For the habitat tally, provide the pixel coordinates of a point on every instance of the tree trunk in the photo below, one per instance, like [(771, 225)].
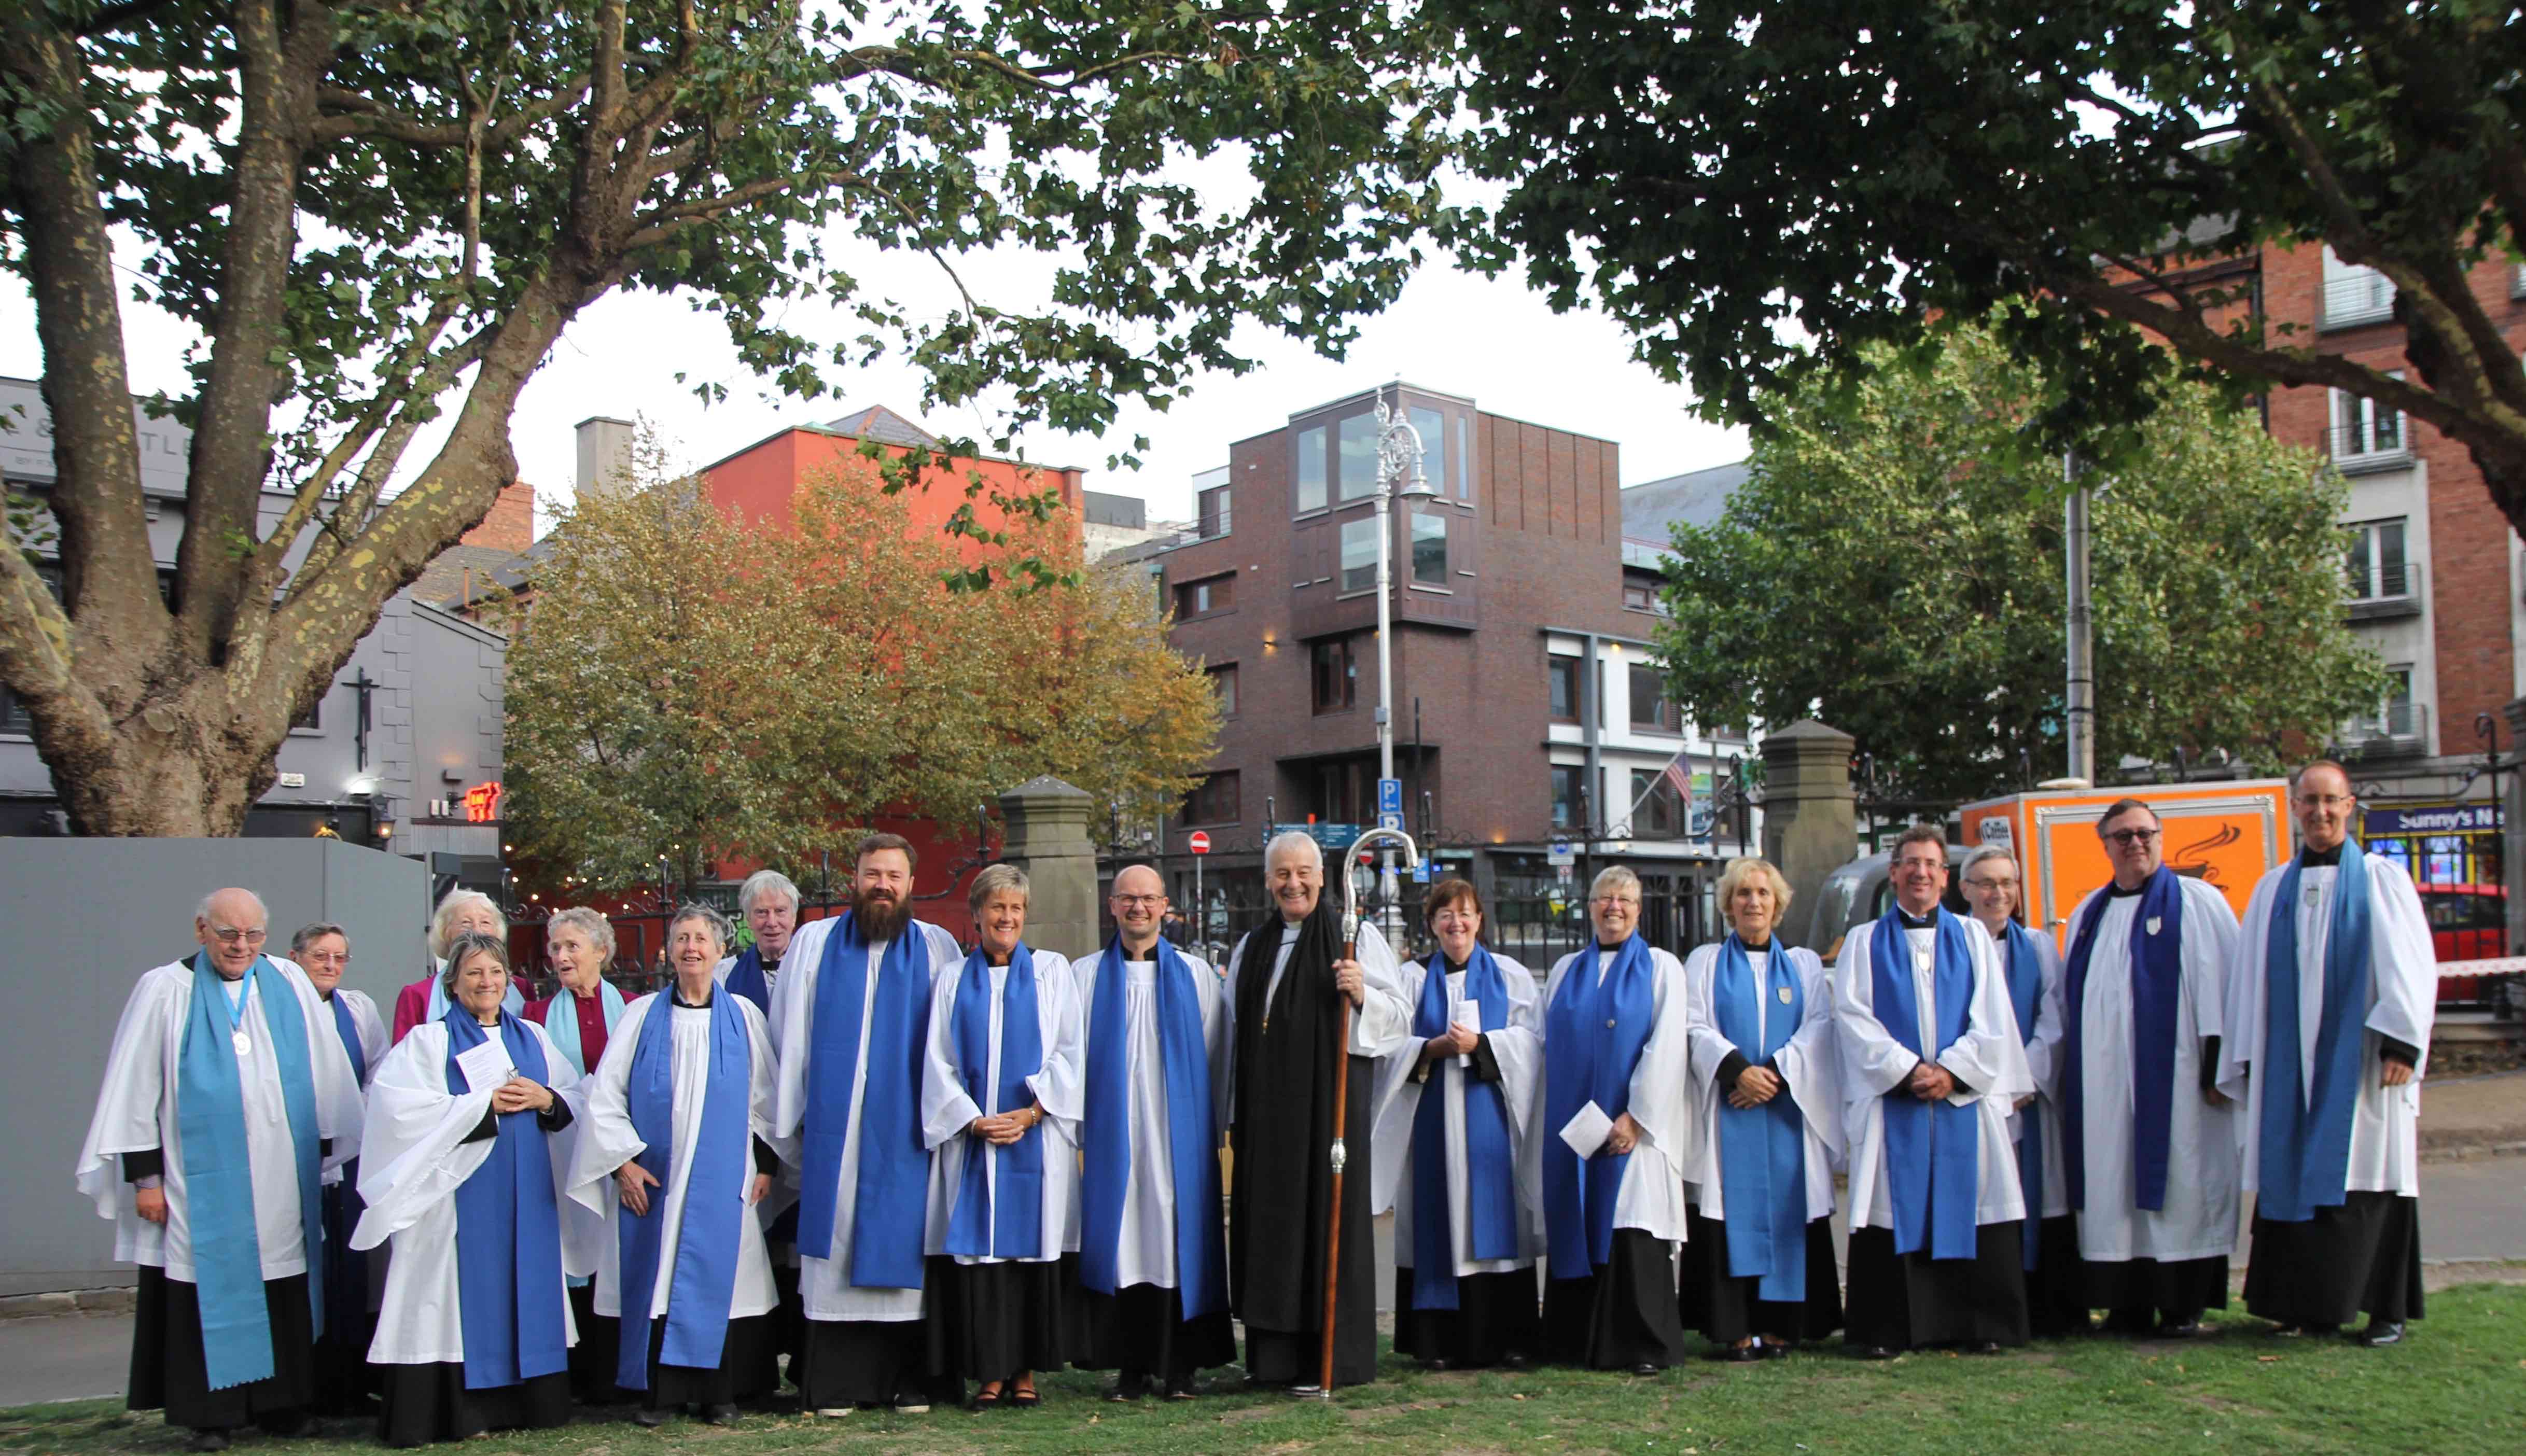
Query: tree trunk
[(190, 763)]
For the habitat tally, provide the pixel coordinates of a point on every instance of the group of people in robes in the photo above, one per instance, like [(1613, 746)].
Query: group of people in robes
[(895, 1171)]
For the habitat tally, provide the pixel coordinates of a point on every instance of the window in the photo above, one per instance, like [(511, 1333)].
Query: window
[(1337, 676), (2365, 428), (1206, 598), (1214, 800), (1464, 459), (1659, 815), (1359, 554), (1358, 456), (1211, 507), (2375, 566), (2353, 294), (1429, 550), (1563, 673), (1565, 795), (1640, 596), (1308, 470), (1222, 685), (1431, 427), (1651, 708)]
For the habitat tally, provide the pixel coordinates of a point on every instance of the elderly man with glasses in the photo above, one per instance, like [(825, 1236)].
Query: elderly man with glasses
[(2148, 1141), (1932, 1068), (2329, 1031), (226, 1098)]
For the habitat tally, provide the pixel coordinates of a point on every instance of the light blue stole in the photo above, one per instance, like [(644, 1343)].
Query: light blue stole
[(561, 1020), (218, 1176), (706, 1243), (1933, 1151), (1762, 1150), (2303, 1134), (1011, 1225)]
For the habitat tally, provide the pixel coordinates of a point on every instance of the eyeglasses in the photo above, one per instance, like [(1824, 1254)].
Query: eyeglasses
[(2129, 837), (230, 936), (325, 958), (1609, 901), (1139, 902), (2324, 801), (1990, 884)]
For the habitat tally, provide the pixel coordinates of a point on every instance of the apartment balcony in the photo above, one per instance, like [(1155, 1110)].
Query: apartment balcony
[(2395, 593), (2403, 731), (2367, 448)]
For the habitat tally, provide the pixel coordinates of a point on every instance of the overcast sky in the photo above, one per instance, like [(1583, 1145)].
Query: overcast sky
[(1453, 332)]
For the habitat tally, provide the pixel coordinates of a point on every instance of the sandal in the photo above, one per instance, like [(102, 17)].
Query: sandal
[(1025, 1400), (984, 1400)]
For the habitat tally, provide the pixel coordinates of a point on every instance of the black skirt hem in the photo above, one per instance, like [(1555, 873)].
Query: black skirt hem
[(1901, 1302), (1727, 1307)]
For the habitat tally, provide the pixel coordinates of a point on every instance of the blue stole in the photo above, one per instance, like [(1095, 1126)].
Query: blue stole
[(508, 1231), (890, 1204), (347, 1273), (1192, 1134), (746, 978), (705, 1276), (1762, 1150), (2158, 992), (350, 1028), (2303, 1132), (561, 1020), (219, 1177), (2026, 998), (1010, 1226), (1593, 1034), (1933, 1160), (512, 1003), (1490, 1191)]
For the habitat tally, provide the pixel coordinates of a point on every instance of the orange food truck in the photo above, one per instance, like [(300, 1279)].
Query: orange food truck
[(2227, 833)]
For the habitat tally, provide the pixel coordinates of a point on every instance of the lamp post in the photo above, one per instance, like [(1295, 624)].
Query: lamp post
[(1399, 474)]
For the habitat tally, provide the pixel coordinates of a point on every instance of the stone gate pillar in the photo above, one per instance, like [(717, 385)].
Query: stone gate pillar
[(1810, 821), (1047, 837)]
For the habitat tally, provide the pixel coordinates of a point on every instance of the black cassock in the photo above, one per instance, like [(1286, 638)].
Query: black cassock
[(1286, 1058)]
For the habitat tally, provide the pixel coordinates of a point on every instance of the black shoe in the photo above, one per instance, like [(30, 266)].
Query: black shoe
[(1982, 1347), (2302, 1332), (718, 1415), (2380, 1333), (1875, 1352), (1647, 1368), (1514, 1361), (647, 1417), (1745, 1354), (2180, 1329), (1128, 1388), (208, 1439), (1775, 1350), (1439, 1363), (1182, 1390)]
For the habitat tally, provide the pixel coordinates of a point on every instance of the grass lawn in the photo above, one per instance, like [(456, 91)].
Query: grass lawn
[(2458, 1387)]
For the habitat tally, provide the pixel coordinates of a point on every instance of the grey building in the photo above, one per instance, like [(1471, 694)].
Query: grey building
[(411, 727)]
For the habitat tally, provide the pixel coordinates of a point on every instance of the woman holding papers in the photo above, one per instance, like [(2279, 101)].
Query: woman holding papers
[(1614, 1142), (1759, 1273), (1455, 1107), (470, 1126)]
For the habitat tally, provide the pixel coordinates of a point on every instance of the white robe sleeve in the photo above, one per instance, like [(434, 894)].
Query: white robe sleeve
[(126, 1120), (2243, 1044), (1518, 1049), (2403, 959), (1395, 1101), (1873, 1062), (373, 1028), (606, 1142), (1810, 1062), (1060, 1088), (339, 1111), (1656, 1101), (2052, 1019), (1383, 1023), (947, 1110), (794, 1003), (1223, 1063), (1989, 1059), (2209, 953), (418, 1154)]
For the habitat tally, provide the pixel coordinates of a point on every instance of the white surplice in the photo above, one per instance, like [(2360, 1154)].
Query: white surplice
[(136, 1112), (1988, 1062), (373, 1042), (609, 1142), (2043, 1064), (1809, 1064), (2200, 1219), (947, 1109), (1380, 1023), (1517, 1047), (825, 1284), (1145, 1246), (1651, 1197), (2403, 1001), (416, 1158)]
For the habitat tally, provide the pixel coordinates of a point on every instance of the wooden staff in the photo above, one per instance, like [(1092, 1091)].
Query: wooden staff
[(1342, 1089)]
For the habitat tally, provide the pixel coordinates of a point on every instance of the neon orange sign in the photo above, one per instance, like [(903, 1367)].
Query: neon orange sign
[(483, 804)]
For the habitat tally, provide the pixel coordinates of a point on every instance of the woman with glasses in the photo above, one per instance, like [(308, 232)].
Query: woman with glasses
[(343, 1377), (1455, 1106), (1612, 1142), (1759, 1273)]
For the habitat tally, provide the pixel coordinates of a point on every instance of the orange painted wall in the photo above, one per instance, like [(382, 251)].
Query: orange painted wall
[(759, 485)]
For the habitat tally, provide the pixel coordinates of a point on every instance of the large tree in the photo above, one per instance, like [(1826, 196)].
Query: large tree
[(682, 687), (1760, 188), (383, 214), (1894, 567)]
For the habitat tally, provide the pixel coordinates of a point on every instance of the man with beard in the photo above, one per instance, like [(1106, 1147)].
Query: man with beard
[(1283, 1007), (850, 1019)]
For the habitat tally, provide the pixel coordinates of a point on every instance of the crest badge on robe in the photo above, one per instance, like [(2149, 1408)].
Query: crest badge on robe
[(2154, 921)]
